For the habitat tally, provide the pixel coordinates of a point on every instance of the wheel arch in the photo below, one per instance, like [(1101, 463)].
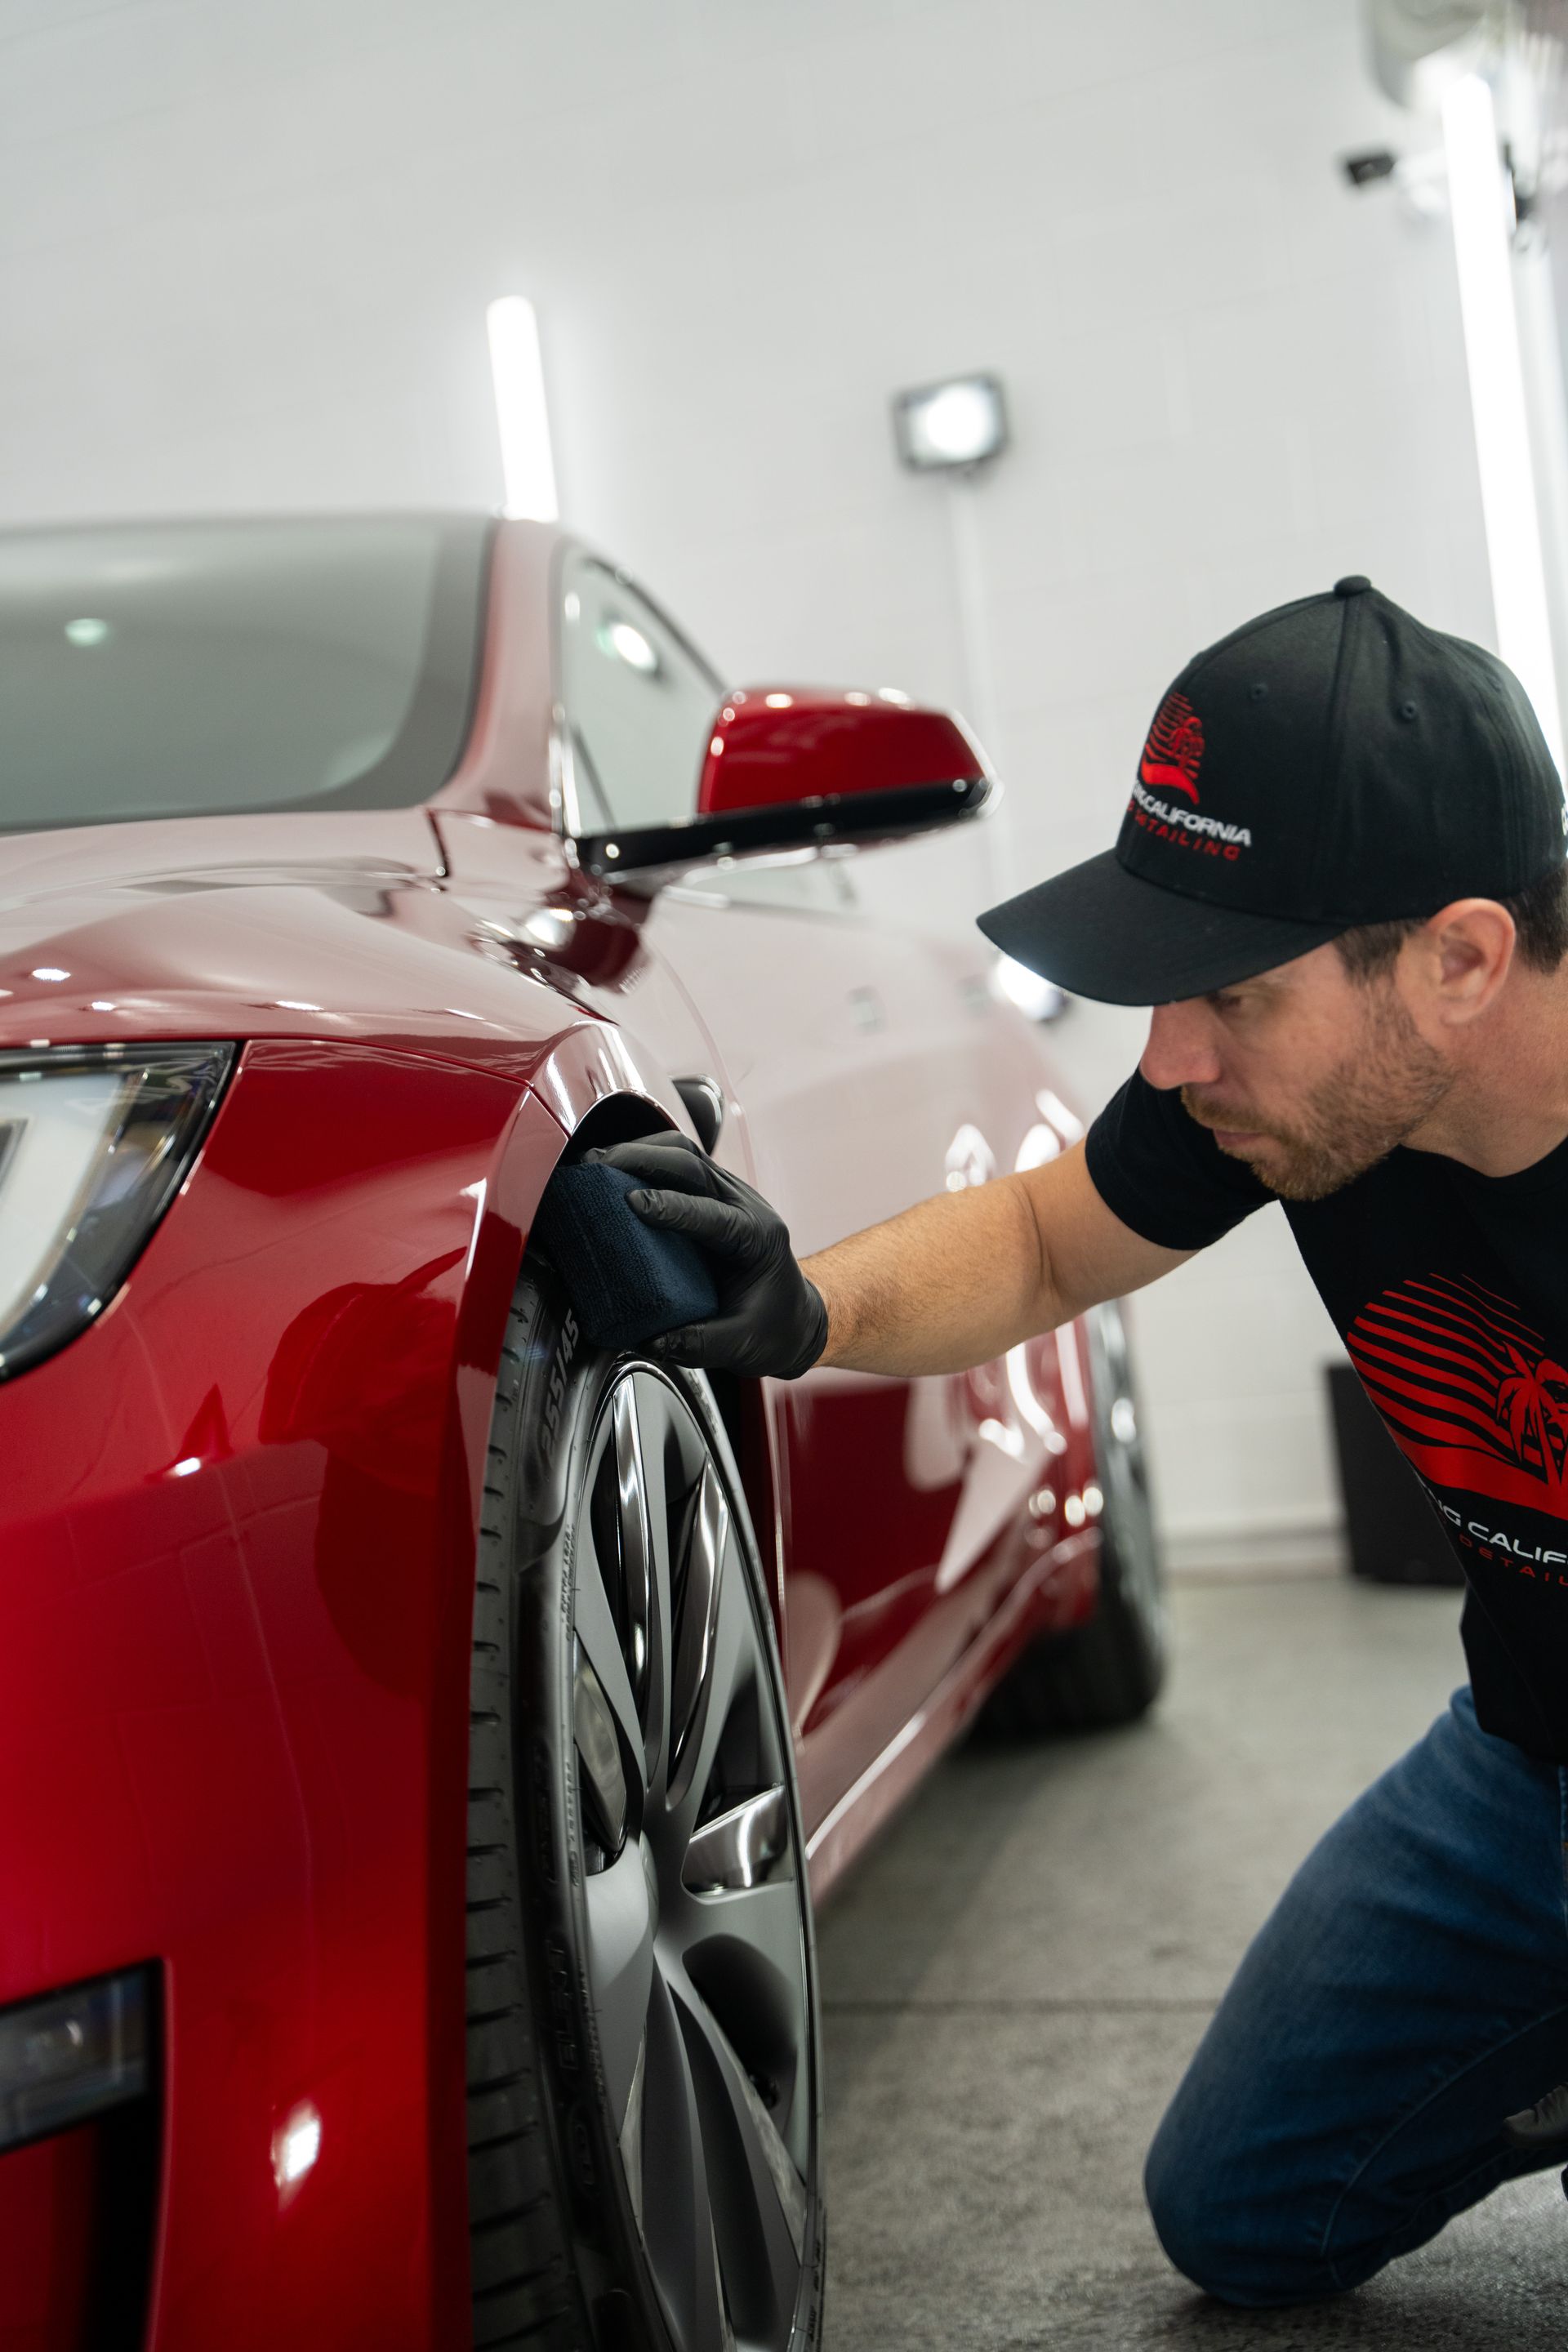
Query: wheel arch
[(598, 1084)]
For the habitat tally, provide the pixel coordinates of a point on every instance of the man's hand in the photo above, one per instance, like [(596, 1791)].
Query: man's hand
[(956, 1280), (771, 1319)]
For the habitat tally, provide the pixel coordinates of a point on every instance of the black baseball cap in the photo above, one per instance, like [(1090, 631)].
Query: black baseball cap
[(1331, 763)]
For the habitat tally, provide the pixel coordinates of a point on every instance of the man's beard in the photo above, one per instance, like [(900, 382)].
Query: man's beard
[(1352, 1119)]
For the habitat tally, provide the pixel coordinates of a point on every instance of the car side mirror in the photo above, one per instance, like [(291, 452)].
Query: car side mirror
[(788, 767)]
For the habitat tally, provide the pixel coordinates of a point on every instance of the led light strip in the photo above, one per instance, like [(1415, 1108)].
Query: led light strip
[(1481, 248), (528, 464)]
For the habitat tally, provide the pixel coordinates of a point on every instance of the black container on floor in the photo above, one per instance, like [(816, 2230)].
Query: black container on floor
[(1396, 1536)]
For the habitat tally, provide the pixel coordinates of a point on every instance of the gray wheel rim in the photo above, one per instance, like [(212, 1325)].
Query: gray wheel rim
[(1128, 1513), (693, 1909)]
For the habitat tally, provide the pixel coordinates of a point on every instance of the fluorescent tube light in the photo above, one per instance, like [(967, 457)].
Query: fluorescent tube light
[(527, 464), (1482, 247)]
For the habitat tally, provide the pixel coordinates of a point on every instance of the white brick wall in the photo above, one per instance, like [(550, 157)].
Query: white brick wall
[(245, 251)]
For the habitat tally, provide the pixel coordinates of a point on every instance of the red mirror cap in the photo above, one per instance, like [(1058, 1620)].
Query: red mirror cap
[(772, 744)]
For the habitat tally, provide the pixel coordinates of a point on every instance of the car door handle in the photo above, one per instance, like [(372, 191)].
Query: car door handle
[(704, 1100)]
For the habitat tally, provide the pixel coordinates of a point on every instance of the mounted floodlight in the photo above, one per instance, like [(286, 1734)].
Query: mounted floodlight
[(959, 423), (527, 466)]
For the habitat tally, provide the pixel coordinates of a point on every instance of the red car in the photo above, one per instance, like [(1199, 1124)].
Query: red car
[(395, 1955)]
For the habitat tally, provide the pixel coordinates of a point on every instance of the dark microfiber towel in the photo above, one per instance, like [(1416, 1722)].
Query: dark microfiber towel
[(627, 1280)]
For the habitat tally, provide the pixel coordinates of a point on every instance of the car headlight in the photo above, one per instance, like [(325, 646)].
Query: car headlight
[(95, 1141)]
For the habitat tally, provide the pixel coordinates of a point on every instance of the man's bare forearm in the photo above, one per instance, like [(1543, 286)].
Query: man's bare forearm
[(951, 1282), (963, 1277), (957, 1280)]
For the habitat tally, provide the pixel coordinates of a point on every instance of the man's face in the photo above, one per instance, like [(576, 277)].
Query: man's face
[(1307, 1075)]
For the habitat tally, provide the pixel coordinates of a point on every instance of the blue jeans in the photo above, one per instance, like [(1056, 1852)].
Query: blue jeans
[(1409, 1992)]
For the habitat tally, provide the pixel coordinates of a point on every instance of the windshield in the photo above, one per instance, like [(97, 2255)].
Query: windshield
[(199, 669)]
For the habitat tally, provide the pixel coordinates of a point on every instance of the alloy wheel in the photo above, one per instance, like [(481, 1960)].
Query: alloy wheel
[(695, 1928)]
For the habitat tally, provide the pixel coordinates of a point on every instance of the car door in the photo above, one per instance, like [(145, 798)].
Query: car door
[(867, 1069)]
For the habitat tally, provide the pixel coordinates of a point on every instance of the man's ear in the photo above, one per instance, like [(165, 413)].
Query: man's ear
[(1459, 960)]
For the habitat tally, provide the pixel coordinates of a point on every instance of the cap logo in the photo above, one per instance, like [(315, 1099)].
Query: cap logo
[(1176, 747)]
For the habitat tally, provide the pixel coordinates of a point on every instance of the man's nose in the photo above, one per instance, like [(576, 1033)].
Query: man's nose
[(1181, 1051)]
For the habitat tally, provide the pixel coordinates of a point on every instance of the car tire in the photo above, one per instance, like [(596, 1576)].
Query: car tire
[(644, 2061), (1110, 1670)]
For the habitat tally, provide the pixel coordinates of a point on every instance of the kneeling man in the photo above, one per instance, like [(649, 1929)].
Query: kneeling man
[(1340, 885)]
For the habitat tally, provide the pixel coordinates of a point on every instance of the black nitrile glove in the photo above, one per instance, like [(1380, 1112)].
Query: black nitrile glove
[(769, 1318)]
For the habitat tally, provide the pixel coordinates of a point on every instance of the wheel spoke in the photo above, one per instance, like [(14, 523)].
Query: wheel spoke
[(730, 1648), (739, 1848), (760, 2198), (706, 1545), (762, 2141), (677, 2214), (596, 1629), (636, 1538), (651, 1412), (750, 1945), (620, 1968)]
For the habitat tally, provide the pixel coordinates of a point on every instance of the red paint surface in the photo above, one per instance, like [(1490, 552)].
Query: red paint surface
[(233, 1697), (792, 743), (49, 2206)]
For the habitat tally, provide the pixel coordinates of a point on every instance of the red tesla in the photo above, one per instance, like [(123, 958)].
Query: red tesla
[(421, 1732)]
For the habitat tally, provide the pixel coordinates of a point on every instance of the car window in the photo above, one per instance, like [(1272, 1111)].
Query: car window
[(185, 669), (639, 702)]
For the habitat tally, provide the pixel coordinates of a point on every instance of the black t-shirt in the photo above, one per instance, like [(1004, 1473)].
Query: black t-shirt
[(1450, 1291)]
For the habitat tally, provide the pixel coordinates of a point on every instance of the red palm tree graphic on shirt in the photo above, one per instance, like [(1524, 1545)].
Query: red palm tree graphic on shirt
[(1468, 1390), (1532, 1400)]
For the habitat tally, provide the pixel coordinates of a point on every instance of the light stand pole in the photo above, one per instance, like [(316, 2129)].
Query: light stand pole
[(974, 662), (959, 427)]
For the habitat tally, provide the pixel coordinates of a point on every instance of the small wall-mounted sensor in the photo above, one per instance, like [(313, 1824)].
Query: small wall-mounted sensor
[(1376, 163), (960, 423)]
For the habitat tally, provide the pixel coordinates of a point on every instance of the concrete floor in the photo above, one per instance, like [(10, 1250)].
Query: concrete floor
[(1016, 1976)]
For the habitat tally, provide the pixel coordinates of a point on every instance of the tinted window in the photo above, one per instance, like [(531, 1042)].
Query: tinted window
[(639, 700), (178, 669)]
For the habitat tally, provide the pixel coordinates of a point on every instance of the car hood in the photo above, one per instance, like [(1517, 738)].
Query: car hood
[(332, 927)]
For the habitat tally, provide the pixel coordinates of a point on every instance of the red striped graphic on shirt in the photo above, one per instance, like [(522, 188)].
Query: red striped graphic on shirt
[(1468, 1388)]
